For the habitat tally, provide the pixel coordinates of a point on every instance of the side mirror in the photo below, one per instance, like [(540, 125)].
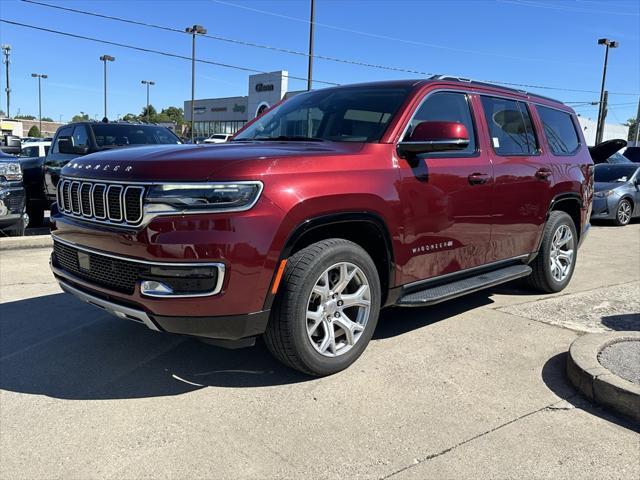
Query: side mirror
[(430, 137), (65, 145)]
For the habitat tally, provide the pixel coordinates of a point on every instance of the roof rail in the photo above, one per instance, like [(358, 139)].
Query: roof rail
[(453, 78)]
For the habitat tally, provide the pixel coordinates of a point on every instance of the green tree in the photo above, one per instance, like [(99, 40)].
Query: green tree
[(82, 117), (633, 126), (24, 117), (47, 119), (130, 117), (34, 132), (149, 116), (175, 114)]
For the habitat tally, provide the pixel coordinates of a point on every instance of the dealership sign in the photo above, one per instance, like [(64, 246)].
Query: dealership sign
[(264, 87)]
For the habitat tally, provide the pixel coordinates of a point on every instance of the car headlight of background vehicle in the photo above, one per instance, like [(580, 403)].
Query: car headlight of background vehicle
[(205, 196), (10, 172), (603, 194)]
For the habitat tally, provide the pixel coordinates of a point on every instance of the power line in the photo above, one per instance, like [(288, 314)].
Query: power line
[(397, 39), (294, 52), (568, 8), (149, 50)]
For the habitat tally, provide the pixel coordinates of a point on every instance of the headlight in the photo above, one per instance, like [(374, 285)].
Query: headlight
[(603, 194), (206, 196), (11, 171)]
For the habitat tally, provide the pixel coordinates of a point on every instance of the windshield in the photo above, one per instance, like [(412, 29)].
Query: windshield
[(614, 173), (117, 135), (343, 114)]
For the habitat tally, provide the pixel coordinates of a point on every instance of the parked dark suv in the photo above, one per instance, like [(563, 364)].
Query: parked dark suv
[(77, 139), (325, 209)]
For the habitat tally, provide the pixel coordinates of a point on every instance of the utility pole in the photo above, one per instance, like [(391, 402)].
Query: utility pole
[(148, 83), (194, 30), (6, 51), (310, 67), (608, 44), (39, 76), (105, 59)]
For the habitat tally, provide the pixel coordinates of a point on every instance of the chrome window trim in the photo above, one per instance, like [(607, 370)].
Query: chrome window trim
[(220, 266), (140, 201), (108, 210), (90, 214), (104, 201), (71, 197)]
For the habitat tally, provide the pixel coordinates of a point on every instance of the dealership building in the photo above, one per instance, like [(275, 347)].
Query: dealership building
[(228, 115)]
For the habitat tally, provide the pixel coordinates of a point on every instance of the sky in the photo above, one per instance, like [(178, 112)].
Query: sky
[(532, 42)]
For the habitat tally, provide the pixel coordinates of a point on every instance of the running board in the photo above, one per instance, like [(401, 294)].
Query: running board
[(447, 291)]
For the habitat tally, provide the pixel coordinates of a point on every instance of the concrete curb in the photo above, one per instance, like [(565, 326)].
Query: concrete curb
[(597, 383), (20, 243)]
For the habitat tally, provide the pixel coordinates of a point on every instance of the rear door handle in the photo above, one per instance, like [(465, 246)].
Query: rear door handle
[(478, 178), (543, 173)]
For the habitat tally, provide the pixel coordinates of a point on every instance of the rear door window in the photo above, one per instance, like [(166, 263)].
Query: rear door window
[(559, 130), (510, 126), (446, 107)]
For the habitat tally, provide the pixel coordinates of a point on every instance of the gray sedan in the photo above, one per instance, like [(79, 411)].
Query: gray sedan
[(617, 192)]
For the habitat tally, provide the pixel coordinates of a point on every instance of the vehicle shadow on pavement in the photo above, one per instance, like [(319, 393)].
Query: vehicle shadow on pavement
[(622, 322), (555, 378), (56, 346)]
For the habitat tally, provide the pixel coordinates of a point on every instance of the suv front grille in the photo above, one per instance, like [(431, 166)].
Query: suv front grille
[(101, 202)]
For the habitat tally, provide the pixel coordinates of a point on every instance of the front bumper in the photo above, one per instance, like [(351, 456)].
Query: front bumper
[(232, 327), (604, 208), (12, 206)]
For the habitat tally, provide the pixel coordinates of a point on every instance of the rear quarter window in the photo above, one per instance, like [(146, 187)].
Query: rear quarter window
[(560, 131)]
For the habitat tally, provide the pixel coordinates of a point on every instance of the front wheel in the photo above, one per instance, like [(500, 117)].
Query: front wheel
[(623, 213), (327, 308), (553, 267)]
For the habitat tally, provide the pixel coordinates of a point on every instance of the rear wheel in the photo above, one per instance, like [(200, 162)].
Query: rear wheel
[(327, 308), (623, 213), (555, 263)]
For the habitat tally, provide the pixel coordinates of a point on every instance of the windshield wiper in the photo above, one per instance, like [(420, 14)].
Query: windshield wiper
[(290, 138)]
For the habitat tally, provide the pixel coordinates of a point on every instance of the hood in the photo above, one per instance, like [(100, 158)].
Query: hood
[(198, 162), (604, 150), (603, 187)]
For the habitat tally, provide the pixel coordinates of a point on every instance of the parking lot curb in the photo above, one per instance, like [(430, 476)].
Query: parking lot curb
[(21, 243), (598, 384)]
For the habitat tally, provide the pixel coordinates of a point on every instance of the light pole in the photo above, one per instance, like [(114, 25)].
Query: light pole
[(6, 51), (105, 59), (194, 30), (39, 76), (310, 65), (148, 83), (602, 108)]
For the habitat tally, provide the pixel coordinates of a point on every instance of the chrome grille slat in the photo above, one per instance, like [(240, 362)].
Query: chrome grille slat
[(109, 203)]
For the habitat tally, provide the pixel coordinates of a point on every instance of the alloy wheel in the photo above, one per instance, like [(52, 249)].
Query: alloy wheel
[(338, 309), (624, 213), (562, 253)]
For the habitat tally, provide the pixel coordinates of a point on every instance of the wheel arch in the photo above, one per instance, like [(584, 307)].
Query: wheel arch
[(366, 229)]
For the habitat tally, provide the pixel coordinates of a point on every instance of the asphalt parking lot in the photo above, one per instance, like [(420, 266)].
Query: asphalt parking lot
[(471, 388)]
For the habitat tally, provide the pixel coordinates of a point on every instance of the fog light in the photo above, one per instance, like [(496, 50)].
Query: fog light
[(152, 287)]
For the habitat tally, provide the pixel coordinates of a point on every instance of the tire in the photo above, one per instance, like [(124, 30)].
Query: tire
[(311, 275), (623, 213), (547, 277)]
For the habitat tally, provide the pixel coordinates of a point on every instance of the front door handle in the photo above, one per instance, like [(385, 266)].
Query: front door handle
[(478, 178), (543, 173)]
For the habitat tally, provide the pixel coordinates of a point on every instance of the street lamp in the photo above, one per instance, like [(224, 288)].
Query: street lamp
[(194, 30), (6, 51), (601, 109), (105, 59), (148, 83), (39, 76)]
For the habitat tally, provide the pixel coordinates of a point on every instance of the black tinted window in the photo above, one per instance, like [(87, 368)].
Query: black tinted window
[(446, 107), (112, 135), (64, 132), (510, 126), (80, 136), (560, 130), (29, 152)]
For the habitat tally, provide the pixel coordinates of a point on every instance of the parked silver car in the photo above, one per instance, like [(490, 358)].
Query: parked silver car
[(617, 192)]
